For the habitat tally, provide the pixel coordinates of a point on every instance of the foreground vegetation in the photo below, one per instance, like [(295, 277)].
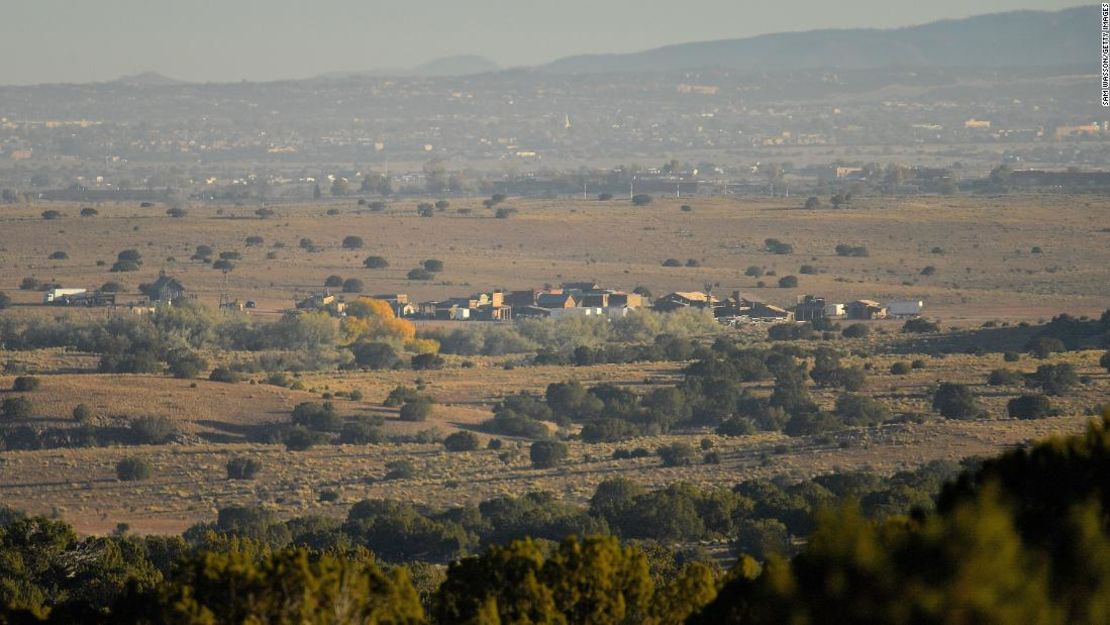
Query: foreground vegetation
[(1019, 539)]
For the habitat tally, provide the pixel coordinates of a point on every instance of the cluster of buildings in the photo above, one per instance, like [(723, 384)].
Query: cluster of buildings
[(813, 308), (571, 299), (589, 299)]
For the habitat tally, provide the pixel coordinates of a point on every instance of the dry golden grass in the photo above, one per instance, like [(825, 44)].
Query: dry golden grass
[(189, 484), (987, 269)]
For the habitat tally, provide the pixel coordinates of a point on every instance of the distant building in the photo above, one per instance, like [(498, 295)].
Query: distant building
[(684, 299), (556, 300), (865, 309), (1085, 130), (811, 308), (163, 290), (977, 124)]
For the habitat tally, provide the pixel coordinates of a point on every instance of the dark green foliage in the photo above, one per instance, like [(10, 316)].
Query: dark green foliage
[(861, 410), (1044, 346), (186, 364), (16, 408), (317, 416), (352, 242), (920, 325), (761, 538), (399, 470), (1029, 407), (736, 426), (151, 430), (420, 273), (1057, 379), (956, 401), (843, 249), (223, 374), (856, 331), (353, 285), (676, 455), (900, 368), (375, 355), (775, 246), (300, 438), (133, 469), (461, 441), (547, 454), (1104, 361), (25, 384), (421, 362), (788, 282), (243, 468), (375, 262), (360, 433), (82, 413), (402, 394), (641, 199), (1005, 377), (433, 265), (416, 410)]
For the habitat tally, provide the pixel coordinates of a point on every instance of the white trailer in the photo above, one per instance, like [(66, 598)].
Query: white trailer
[(53, 294), (905, 308)]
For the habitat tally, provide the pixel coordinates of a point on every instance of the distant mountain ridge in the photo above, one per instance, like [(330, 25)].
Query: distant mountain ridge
[(1011, 39)]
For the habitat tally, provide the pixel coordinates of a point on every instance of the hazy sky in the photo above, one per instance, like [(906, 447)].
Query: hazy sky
[(228, 40)]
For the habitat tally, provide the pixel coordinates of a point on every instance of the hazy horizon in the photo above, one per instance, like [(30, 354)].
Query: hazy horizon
[(282, 39)]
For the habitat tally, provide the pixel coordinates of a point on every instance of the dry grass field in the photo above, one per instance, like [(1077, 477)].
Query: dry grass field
[(985, 270), (189, 482)]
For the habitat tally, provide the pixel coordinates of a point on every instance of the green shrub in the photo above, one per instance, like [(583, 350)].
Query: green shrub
[(1029, 407), (416, 410), (223, 374), (461, 441), (547, 454), (360, 433), (900, 368), (399, 470), (421, 362), (1043, 346), (956, 401), (152, 430), (920, 325), (1005, 377), (16, 408), (82, 413), (25, 384), (856, 331), (1054, 379), (133, 469), (243, 468), (676, 455), (299, 438), (317, 416)]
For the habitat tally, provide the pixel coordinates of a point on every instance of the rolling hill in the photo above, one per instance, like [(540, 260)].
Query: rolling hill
[(1012, 39)]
